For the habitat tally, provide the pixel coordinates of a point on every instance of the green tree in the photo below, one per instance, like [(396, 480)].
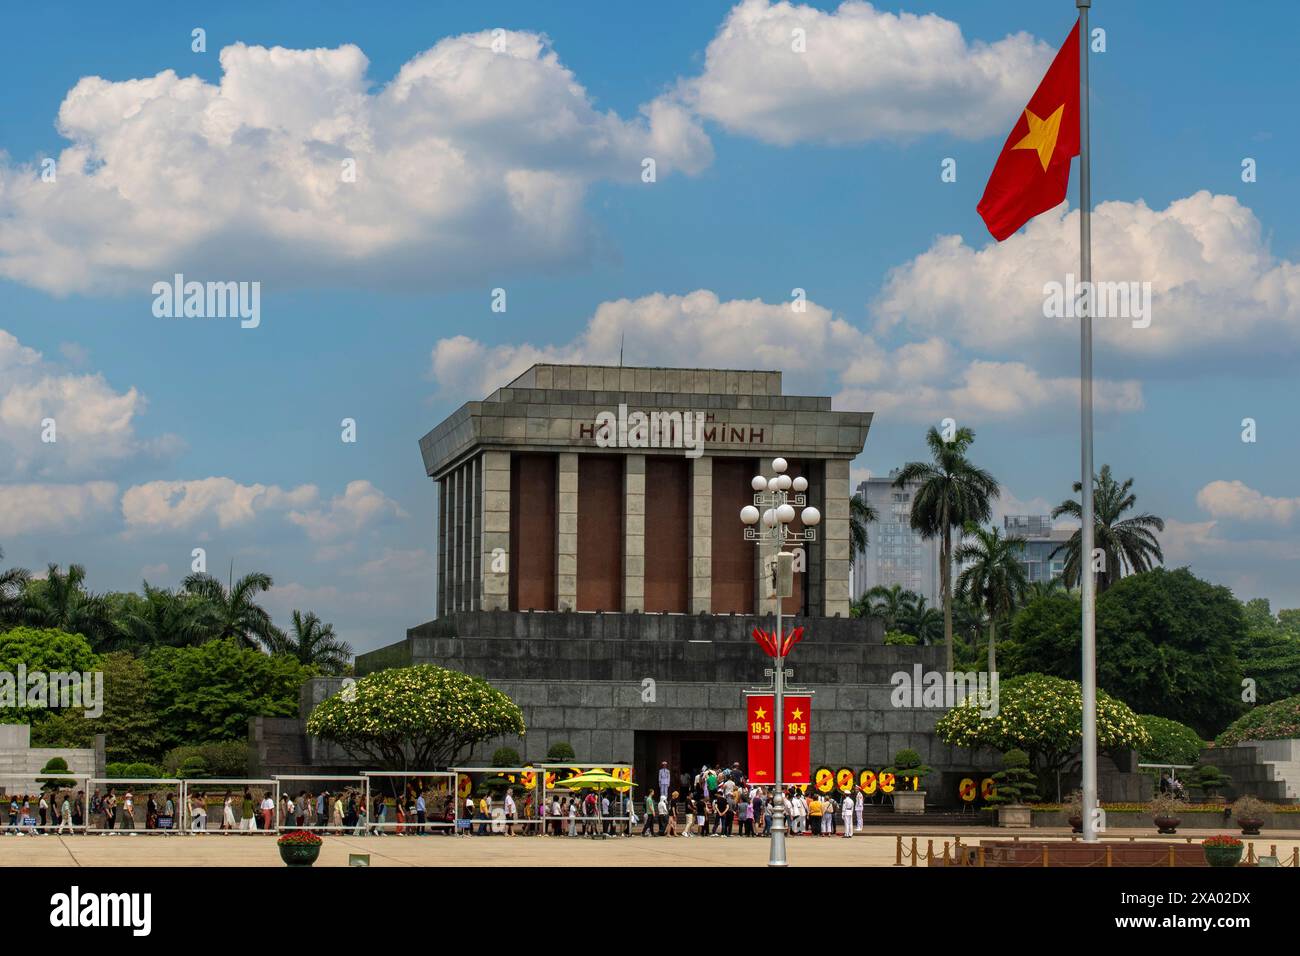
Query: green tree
[(994, 579), (1279, 720), (1269, 652), (424, 717), (888, 603), (1165, 645), (238, 615), (310, 642), (13, 582), (62, 602), (861, 514), (922, 622), (128, 723), (210, 692), (165, 618), (1129, 544), (952, 493)]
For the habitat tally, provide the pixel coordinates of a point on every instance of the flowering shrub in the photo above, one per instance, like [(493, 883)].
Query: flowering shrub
[(299, 838), (1227, 842), (1171, 742), (1276, 721), (421, 716), (1042, 716)]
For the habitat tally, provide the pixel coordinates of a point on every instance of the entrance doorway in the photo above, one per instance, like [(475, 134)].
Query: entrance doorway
[(685, 752)]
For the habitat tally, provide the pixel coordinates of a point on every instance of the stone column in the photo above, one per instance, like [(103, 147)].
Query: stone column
[(566, 560), (701, 534), (634, 533), (835, 538), (496, 531)]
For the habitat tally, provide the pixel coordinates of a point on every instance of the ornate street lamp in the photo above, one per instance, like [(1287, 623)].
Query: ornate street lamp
[(767, 521)]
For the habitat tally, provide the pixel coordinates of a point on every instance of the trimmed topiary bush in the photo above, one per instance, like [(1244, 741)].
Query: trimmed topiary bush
[(193, 767), (908, 764), (1171, 742), (506, 757), (1016, 783), (560, 752)]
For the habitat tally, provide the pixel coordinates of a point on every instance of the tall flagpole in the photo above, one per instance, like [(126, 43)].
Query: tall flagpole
[(1085, 404)]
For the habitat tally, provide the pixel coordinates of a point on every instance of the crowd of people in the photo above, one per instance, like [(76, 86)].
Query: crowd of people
[(716, 802)]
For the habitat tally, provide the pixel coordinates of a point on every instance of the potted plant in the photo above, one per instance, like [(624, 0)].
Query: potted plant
[(1165, 810), (1016, 786), (1250, 814), (1210, 780), (908, 767), (1073, 809), (299, 847), (1222, 850)]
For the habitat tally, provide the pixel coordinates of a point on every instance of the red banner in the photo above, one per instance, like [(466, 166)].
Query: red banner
[(760, 729), (796, 757)]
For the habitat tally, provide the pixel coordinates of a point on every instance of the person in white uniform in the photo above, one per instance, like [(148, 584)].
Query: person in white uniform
[(858, 800), (848, 804)]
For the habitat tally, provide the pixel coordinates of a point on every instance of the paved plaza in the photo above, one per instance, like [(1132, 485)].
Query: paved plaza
[(873, 849)]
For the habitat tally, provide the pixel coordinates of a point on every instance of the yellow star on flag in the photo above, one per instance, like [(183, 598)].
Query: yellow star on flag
[(1042, 135), (797, 713), (760, 713)]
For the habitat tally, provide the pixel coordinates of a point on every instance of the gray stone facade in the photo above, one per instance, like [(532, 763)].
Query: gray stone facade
[(553, 409)]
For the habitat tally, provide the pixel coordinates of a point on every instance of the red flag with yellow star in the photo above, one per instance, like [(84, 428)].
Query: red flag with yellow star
[(1032, 173)]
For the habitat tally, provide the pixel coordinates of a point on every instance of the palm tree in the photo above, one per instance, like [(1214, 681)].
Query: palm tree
[(994, 578), (1129, 544), (952, 492), (888, 603), (163, 617), (1041, 589), (238, 615), (12, 583), (925, 623), (861, 514), (311, 642), (62, 602)]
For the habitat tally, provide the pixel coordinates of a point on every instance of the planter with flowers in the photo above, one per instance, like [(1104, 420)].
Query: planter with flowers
[(299, 848), (1222, 850)]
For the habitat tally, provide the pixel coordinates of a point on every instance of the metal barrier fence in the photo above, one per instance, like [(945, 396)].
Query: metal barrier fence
[(240, 809), (133, 804), (327, 809), (32, 806), (430, 793)]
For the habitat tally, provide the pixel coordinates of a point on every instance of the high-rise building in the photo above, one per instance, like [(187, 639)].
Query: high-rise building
[(895, 554), (1041, 540)]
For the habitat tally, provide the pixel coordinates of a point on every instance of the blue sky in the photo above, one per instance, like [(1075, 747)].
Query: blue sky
[(775, 170)]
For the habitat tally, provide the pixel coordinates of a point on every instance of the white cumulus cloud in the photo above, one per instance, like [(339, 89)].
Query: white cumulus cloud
[(474, 160), (54, 508), (1216, 288), (863, 74), (360, 506), (817, 350), (1237, 500), (179, 505), (93, 423)]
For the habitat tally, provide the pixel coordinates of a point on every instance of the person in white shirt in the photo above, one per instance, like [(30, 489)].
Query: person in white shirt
[(858, 801), (128, 812), (510, 812), (848, 815)]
